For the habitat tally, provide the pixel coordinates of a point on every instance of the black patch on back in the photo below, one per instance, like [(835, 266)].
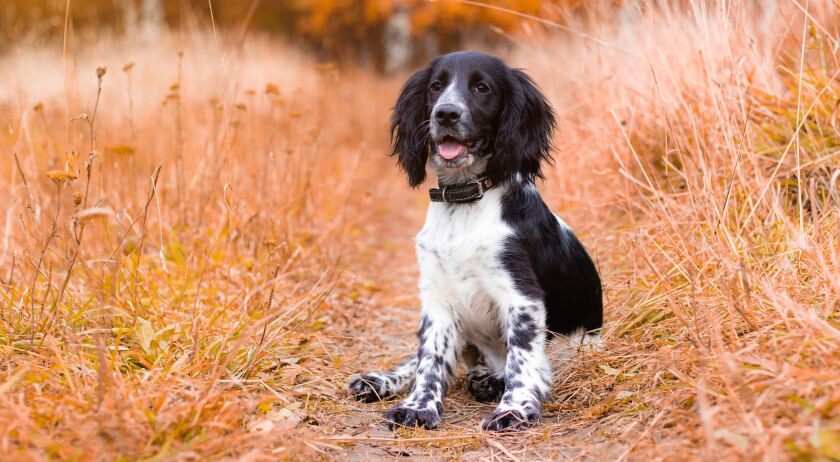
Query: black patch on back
[(549, 263)]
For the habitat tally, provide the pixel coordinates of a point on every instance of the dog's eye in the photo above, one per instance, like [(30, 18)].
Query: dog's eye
[(482, 88), (436, 86)]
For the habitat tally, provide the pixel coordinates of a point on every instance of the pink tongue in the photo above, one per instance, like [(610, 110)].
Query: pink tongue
[(450, 150)]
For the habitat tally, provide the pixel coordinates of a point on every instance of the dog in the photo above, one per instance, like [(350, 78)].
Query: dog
[(499, 272)]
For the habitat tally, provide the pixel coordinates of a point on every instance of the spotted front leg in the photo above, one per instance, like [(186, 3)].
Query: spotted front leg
[(436, 363), (527, 370)]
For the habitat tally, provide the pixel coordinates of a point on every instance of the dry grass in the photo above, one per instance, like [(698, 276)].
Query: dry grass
[(193, 267)]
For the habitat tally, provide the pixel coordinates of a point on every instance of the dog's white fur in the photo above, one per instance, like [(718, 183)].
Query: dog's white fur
[(463, 283), (467, 297)]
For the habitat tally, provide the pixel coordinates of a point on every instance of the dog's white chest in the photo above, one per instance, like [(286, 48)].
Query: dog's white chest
[(458, 251)]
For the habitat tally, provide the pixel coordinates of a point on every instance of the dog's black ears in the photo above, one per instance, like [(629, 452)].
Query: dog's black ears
[(523, 139), (410, 126)]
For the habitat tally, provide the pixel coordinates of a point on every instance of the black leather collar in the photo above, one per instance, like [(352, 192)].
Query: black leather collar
[(468, 192)]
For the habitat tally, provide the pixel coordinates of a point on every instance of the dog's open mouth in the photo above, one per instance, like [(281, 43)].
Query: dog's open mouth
[(450, 148)]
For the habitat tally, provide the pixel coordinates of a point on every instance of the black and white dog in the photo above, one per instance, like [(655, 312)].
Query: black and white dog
[(498, 270)]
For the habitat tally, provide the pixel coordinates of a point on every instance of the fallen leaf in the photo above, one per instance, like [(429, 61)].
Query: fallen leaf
[(609, 370)]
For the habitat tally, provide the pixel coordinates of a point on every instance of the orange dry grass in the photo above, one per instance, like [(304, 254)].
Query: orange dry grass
[(171, 244), (217, 307), (704, 158)]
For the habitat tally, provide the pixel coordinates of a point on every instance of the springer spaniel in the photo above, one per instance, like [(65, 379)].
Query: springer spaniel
[(498, 270)]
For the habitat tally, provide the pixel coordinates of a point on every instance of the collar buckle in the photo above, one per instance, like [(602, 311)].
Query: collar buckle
[(480, 188), (483, 184)]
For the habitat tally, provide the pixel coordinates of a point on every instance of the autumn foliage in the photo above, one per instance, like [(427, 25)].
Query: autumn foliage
[(344, 30)]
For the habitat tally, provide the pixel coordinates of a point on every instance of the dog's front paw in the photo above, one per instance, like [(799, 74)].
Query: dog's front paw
[(404, 416), (484, 386), (510, 420), (368, 388)]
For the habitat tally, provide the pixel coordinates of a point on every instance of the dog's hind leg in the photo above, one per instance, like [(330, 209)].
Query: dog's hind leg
[(376, 386), (486, 377)]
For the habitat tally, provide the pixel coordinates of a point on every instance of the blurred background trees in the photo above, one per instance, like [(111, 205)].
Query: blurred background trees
[(382, 34)]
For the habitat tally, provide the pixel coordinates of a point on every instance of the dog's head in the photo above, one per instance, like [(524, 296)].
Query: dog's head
[(474, 116)]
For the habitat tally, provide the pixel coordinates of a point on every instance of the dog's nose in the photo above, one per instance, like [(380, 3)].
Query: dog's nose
[(447, 115)]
